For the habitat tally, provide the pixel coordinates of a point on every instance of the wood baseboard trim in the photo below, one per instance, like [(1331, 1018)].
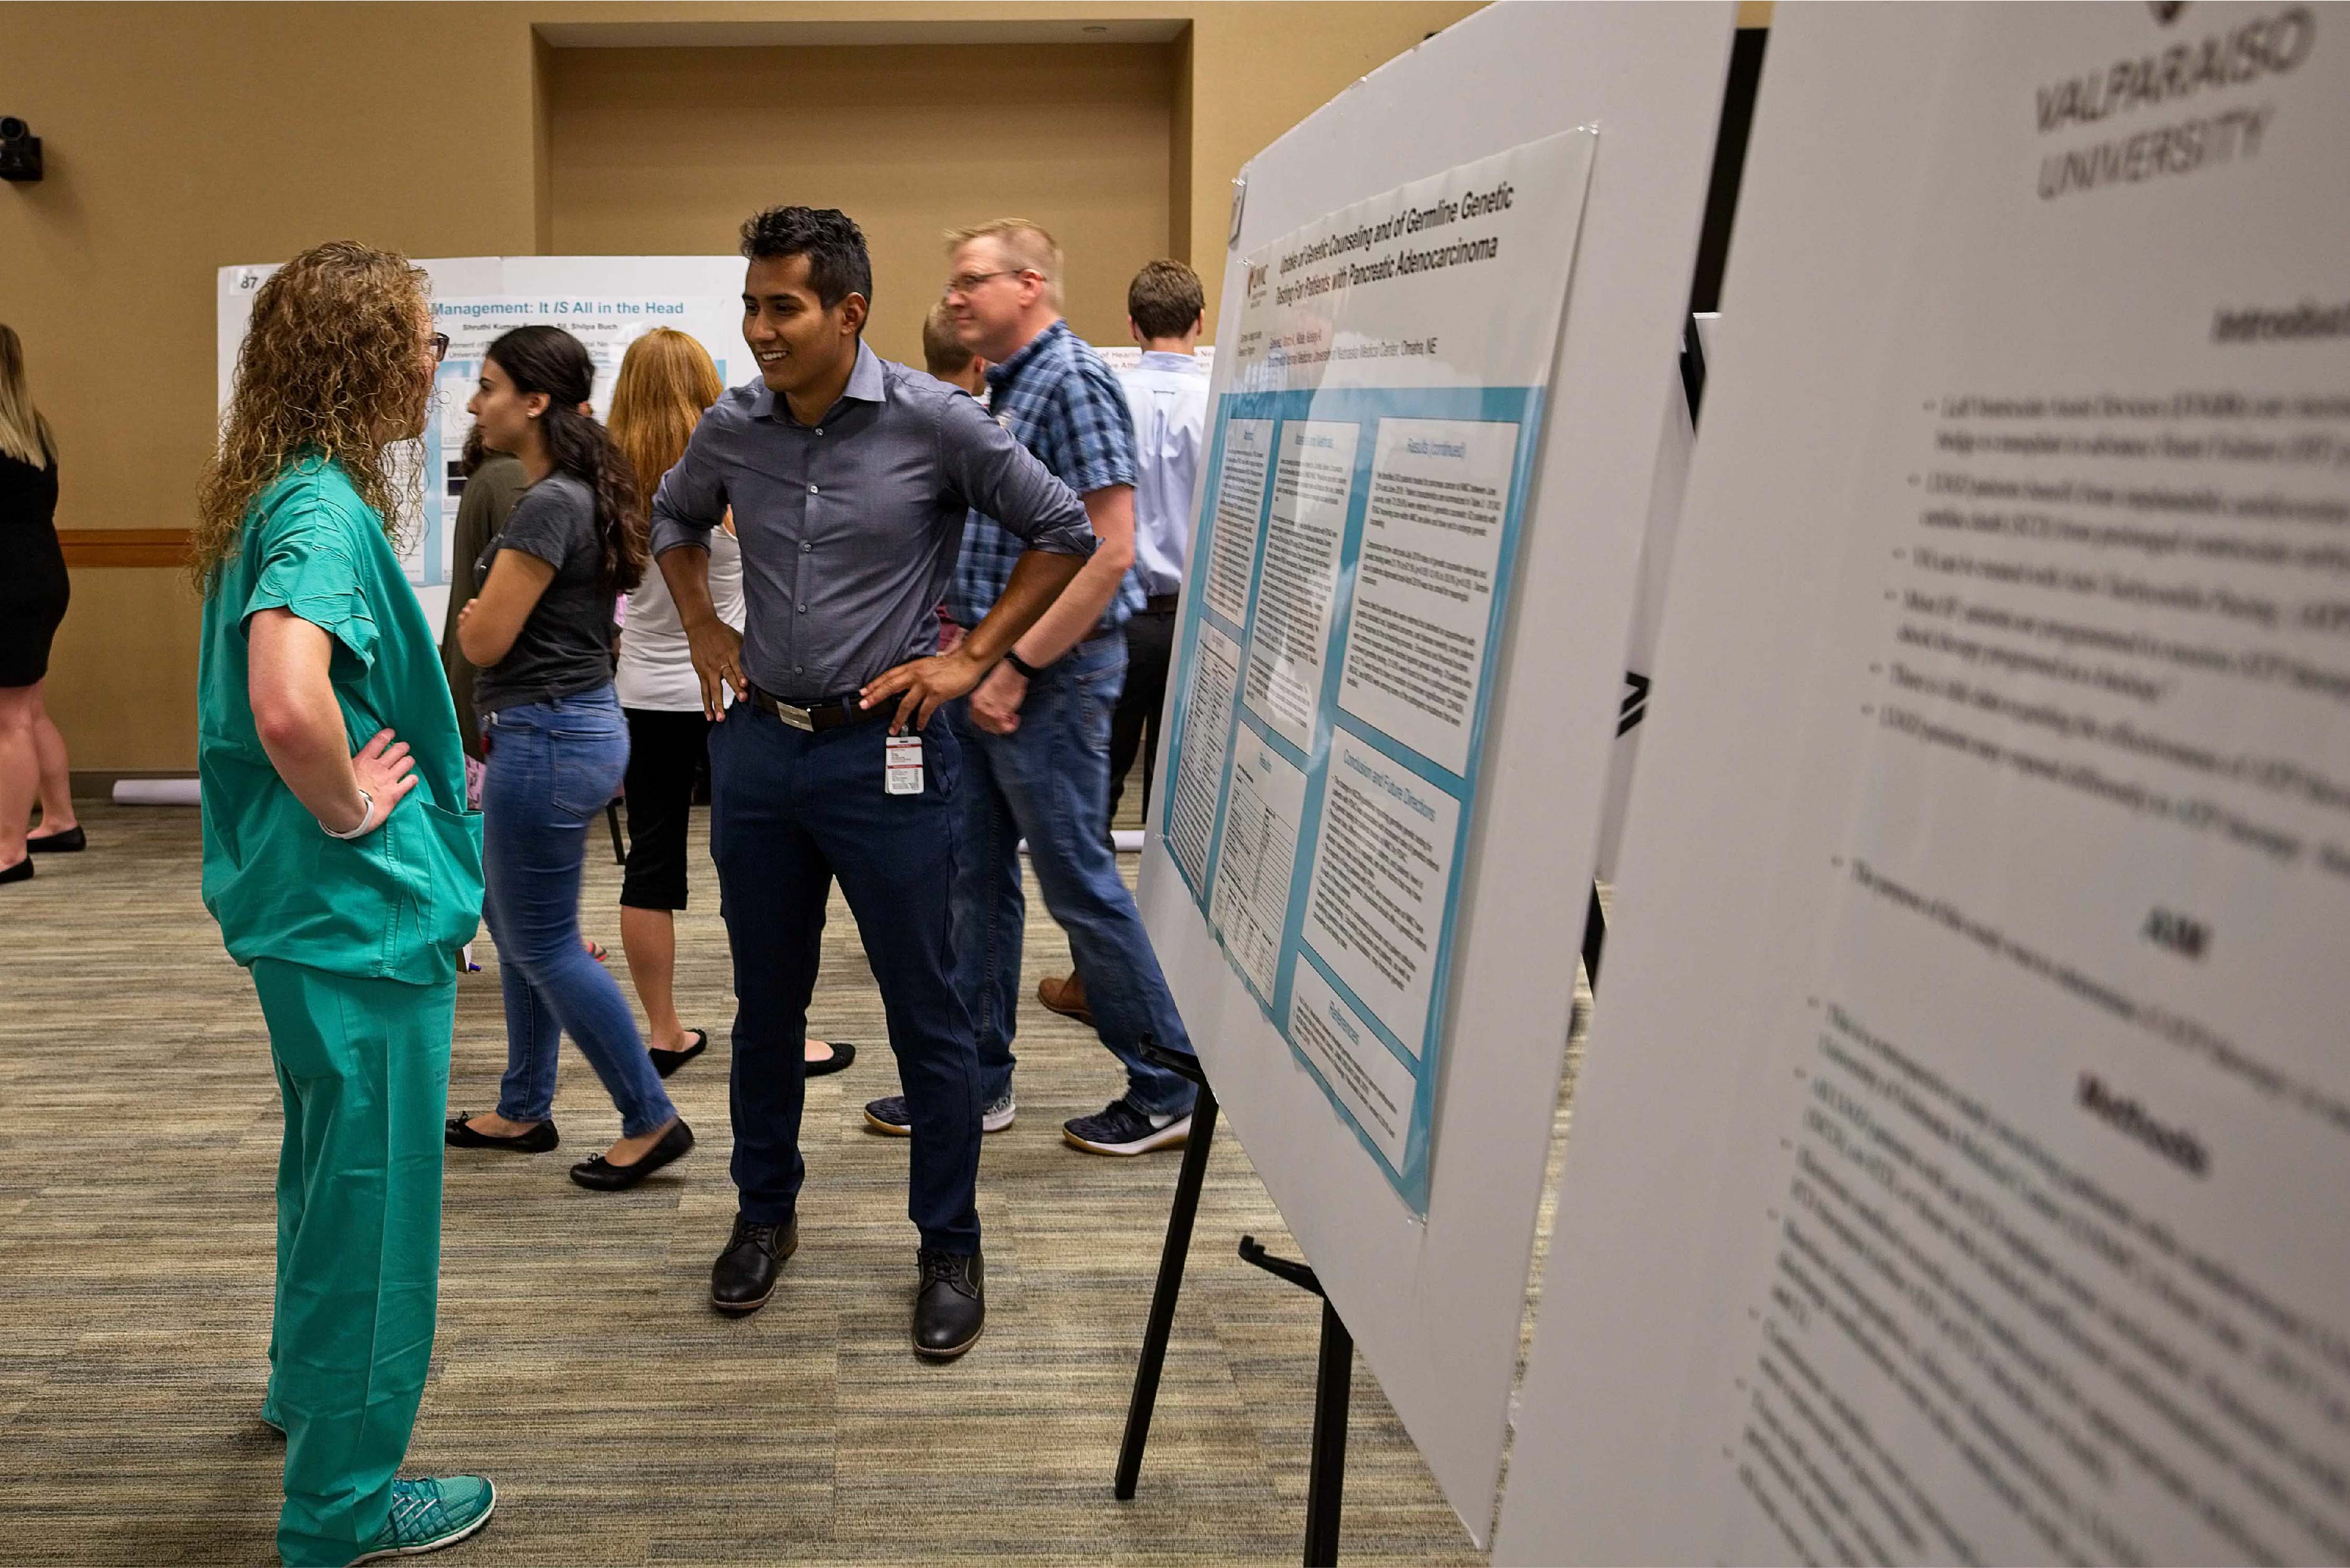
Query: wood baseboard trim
[(89, 547)]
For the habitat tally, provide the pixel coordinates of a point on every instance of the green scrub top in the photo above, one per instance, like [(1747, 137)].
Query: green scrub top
[(397, 904)]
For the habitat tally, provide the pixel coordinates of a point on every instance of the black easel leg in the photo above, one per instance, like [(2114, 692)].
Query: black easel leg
[(612, 815), (1326, 1484), (1594, 935), (1162, 1299)]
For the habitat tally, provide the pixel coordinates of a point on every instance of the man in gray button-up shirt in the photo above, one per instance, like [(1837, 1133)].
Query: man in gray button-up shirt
[(850, 525), (850, 479)]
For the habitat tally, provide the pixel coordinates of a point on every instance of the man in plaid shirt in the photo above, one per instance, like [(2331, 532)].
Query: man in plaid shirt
[(1035, 733)]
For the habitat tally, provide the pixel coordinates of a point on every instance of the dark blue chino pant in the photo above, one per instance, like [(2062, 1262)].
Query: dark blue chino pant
[(790, 811)]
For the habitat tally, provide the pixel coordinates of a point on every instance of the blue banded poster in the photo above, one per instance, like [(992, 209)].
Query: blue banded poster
[(605, 302), (1376, 413)]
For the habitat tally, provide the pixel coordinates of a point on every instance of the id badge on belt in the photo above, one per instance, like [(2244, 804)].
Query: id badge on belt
[(902, 764)]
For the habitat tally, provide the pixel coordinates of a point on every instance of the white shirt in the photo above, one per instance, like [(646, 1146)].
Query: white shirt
[(656, 665), (1167, 394)]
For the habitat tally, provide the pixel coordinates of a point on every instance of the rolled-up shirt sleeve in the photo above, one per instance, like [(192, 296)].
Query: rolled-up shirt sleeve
[(995, 474), (692, 499)]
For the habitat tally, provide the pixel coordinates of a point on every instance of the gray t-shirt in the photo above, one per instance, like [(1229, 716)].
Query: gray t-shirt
[(566, 646)]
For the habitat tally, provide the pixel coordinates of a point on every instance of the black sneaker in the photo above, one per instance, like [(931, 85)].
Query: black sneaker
[(1121, 1129), (890, 1116)]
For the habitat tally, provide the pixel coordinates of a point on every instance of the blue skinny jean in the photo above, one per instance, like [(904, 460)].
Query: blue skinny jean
[(553, 766)]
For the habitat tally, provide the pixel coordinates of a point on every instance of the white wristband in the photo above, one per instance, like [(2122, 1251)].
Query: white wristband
[(366, 813)]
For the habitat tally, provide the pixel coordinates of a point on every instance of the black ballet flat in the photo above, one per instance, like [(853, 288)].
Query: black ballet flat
[(600, 1175), (72, 841), (668, 1062), (842, 1054), (538, 1140), (18, 872)]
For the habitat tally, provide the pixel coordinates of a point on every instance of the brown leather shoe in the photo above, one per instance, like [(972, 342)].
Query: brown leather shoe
[(1065, 997)]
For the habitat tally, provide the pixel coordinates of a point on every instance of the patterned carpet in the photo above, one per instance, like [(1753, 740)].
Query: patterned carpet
[(577, 1361)]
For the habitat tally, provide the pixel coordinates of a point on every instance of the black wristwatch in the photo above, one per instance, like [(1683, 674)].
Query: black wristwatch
[(1028, 670)]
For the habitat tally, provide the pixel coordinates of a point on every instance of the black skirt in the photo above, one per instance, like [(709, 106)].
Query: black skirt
[(34, 588)]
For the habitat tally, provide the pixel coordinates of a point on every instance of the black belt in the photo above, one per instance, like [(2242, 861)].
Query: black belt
[(825, 713)]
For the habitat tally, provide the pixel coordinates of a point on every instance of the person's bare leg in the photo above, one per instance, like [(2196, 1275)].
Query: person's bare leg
[(628, 1150), (20, 772), (648, 938), (55, 776), (496, 1126)]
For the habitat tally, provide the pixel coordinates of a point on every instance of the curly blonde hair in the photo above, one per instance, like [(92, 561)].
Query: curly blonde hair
[(330, 368)]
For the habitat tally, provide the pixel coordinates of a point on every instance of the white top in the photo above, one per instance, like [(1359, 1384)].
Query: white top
[(656, 667), (1168, 396)]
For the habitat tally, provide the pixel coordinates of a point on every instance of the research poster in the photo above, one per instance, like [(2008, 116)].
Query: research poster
[(1962, 1165), (606, 302), (1376, 407)]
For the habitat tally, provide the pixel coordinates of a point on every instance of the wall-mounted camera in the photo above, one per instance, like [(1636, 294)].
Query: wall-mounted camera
[(20, 150)]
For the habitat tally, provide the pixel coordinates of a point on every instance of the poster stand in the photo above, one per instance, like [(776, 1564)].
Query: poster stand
[(1171, 1259), (1335, 1365), (1326, 1480)]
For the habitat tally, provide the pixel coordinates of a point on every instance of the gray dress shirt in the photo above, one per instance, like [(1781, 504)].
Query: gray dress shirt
[(850, 526)]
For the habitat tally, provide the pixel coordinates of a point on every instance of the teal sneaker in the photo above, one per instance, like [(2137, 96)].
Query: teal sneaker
[(428, 1512)]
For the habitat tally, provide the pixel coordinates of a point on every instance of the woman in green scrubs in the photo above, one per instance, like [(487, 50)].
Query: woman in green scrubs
[(346, 874)]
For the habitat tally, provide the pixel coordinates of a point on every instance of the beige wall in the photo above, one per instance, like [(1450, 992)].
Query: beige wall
[(661, 152), (183, 138)]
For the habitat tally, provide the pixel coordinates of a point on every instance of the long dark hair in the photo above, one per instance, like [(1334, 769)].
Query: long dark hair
[(550, 361)]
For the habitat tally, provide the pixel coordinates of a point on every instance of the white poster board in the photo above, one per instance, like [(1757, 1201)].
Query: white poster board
[(1368, 466), (606, 302), (1959, 1161), (1434, 1301)]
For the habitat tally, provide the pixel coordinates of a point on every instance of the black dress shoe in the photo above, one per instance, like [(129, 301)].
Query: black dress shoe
[(538, 1140), (668, 1062), (950, 1305), (71, 841), (600, 1175), (842, 1054), (744, 1277)]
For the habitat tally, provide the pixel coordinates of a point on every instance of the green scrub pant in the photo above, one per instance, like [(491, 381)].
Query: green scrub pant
[(363, 1066)]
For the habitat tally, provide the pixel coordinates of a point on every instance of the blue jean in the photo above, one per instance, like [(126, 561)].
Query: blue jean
[(553, 767), (789, 812), (1048, 782)]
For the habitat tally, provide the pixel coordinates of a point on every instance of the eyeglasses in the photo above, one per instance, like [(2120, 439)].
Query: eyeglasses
[(969, 282), (440, 341)]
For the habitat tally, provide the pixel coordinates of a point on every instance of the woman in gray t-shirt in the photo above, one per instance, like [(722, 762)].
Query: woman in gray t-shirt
[(540, 631)]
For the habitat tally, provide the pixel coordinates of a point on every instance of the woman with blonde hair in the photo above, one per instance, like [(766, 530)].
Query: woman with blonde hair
[(667, 383), (34, 590), (345, 875)]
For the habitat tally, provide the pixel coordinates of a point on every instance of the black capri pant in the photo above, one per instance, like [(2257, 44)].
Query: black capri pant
[(665, 753)]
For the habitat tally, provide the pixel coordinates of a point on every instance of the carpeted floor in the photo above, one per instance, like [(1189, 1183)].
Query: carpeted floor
[(577, 1363)]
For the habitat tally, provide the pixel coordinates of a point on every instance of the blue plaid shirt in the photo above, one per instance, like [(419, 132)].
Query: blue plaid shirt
[(1060, 401)]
